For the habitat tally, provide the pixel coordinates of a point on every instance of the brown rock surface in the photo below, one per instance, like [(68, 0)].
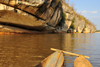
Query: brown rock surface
[(4, 29), (14, 19), (50, 16)]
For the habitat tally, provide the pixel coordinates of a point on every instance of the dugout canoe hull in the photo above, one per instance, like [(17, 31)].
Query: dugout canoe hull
[(54, 60)]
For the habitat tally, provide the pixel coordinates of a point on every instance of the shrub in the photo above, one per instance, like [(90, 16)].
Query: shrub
[(57, 1), (86, 22), (72, 26), (80, 17), (64, 16), (73, 20)]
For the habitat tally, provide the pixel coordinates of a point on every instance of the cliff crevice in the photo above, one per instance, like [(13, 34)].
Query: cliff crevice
[(44, 16)]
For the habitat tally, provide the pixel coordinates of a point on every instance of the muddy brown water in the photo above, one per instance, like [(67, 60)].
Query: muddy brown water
[(27, 50)]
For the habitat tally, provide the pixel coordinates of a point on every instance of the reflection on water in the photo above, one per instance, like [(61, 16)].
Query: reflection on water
[(27, 50)]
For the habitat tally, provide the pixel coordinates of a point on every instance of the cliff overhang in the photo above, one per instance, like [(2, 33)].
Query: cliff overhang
[(42, 16)]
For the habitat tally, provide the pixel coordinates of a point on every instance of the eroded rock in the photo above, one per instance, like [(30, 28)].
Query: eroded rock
[(47, 16)]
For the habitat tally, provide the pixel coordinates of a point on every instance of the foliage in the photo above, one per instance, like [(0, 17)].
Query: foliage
[(73, 20), (97, 30), (57, 1), (64, 16), (72, 25), (77, 32), (81, 17)]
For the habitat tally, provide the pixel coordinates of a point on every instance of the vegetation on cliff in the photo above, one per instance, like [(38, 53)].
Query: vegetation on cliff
[(72, 25), (52, 15), (64, 16), (79, 22), (97, 30)]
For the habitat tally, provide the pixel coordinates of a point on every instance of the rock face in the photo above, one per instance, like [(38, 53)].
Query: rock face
[(5, 29), (79, 25), (89, 29), (36, 1), (2, 7), (42, 15), (14, 19), (56, 18)]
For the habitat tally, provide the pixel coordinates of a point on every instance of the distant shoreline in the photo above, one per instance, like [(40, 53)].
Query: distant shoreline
[(97, 32)]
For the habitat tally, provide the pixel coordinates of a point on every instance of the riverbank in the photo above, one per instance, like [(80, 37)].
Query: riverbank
[(97, 32)]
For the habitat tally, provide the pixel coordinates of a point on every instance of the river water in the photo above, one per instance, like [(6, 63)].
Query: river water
[(27, 50)]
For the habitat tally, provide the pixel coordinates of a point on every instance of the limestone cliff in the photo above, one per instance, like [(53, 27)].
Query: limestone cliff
[(43, 16), (74, 22)]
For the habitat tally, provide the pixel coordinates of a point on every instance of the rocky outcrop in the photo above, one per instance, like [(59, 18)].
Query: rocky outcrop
[(43, 16), (13, 19), (89, 29), (6, 29), (56, 18), (79, 24), (75, 22)]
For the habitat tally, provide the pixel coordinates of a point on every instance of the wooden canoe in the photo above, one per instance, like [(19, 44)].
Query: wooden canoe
[(81, 61), (54, 60)]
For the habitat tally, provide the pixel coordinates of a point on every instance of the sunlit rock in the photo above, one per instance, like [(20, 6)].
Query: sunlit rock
[(44, 15)]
